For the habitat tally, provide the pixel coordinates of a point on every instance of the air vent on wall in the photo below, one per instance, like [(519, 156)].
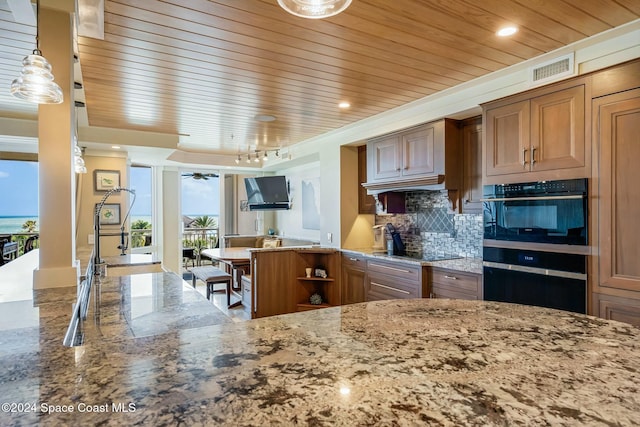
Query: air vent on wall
[(553, 70)]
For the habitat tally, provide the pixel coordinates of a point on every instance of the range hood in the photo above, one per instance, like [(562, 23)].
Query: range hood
[(434, 182)]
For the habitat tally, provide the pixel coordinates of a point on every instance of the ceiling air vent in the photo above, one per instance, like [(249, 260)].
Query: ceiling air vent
[(555, 69)]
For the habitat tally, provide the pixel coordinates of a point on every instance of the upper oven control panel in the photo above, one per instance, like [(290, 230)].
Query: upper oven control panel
[(568, 186)]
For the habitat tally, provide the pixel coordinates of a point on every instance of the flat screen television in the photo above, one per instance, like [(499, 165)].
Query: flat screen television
[(267, 193)]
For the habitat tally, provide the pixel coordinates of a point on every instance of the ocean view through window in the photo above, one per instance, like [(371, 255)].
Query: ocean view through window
[(18, 196), (200, 210)]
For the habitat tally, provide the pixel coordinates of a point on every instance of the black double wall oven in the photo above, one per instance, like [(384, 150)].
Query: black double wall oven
[(533, 234)]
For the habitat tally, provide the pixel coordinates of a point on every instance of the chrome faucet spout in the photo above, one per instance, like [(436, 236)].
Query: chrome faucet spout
[(97, 260)]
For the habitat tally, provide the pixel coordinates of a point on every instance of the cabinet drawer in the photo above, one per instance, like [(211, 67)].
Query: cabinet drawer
[(454, 284), (354, 260), (396, 269), (382, 286), (439, 291)]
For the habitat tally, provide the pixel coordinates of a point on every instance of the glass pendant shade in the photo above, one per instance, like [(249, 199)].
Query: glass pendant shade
[(79, 165), (78, 161), (35, 83), (314, 9)]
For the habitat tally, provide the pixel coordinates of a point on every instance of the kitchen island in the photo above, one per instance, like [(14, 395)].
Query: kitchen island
[(154, 355)]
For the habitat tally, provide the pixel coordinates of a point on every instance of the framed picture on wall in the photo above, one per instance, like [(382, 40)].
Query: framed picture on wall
[(106, 180), (110, 214)]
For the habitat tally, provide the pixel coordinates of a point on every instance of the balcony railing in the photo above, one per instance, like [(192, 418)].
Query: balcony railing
[(198, 238), (21, 238)]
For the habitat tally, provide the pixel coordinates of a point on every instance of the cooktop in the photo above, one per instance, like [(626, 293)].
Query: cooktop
[(428, 256)]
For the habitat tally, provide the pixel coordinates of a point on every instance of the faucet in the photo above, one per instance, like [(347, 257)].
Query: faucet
[(96, 227)]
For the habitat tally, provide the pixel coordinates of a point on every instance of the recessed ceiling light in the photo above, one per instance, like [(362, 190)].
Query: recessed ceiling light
[(264, 118), (115, 147), (344, 104), (507, 31)]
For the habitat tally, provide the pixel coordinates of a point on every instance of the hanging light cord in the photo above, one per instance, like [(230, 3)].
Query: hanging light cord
[(37, 51)]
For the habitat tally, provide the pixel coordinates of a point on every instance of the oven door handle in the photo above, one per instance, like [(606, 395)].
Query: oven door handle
[(535, 270), (516, 199)]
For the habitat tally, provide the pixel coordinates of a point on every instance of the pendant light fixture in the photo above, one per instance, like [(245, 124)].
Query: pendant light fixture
[(314, 9), (35, 83), (78, 162)]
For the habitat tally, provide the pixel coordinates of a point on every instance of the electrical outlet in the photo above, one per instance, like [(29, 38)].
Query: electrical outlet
[(90, 239), (330, 237)]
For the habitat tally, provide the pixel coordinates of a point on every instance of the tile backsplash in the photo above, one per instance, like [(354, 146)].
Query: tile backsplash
[(429, 226)]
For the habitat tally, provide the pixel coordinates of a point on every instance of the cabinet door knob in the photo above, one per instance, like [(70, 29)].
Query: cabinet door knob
[(398, 170), (524, 157), (466, 200), (354, 259), (450, 277)]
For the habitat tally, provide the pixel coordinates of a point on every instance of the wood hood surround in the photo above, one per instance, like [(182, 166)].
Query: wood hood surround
[(425, 157)]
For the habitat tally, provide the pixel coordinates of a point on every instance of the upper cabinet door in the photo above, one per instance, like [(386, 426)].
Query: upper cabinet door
[(507, 139), (386, 158), (557, 130), (472, 166), (537, 138), (419, 152)]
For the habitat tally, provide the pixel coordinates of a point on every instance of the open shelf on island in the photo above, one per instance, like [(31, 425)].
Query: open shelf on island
[(316, 279), (327, 287)]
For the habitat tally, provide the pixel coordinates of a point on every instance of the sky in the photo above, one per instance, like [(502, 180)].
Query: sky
[(19, 191), (200, 197), (18, 188)]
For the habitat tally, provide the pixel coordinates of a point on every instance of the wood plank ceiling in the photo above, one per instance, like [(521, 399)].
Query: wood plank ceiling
[(205, 69)]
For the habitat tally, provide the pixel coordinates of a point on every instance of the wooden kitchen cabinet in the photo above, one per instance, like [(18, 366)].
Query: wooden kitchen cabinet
[(273, 290), (279, 284), (354, 270), (539, 135), (472, 165), (616, 206), (445, 283), (413, 153), (406, 154), (391, 280)]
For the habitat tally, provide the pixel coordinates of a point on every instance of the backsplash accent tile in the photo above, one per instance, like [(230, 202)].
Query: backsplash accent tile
[(436, 220), (430, 227)]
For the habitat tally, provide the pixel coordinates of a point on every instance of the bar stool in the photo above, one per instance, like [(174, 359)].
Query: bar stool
[(210, 276)]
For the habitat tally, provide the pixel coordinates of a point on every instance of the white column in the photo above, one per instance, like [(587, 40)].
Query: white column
[(171, 239), (57, 263)]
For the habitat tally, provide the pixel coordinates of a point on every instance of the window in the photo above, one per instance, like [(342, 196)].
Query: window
[(140, 179)]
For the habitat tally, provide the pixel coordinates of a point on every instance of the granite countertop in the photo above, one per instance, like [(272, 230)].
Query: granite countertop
[(157, 350), (465, 264)]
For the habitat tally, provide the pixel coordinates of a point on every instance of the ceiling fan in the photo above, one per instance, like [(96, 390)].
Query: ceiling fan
[(198, 175)]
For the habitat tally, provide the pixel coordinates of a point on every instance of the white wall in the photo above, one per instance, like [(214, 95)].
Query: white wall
[(289, 223)]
